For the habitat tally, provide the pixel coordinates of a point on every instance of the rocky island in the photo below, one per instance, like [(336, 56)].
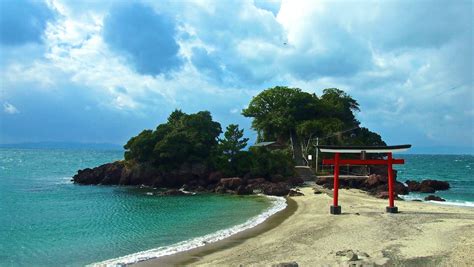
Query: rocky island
[(187, 152)]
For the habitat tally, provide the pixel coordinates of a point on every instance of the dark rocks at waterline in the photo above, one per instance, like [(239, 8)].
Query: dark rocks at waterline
[(109, 173), (188, 177), (427, 186), (374, 184), (434, 198)]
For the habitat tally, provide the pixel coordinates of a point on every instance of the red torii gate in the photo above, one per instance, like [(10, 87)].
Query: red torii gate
[(335, 208)]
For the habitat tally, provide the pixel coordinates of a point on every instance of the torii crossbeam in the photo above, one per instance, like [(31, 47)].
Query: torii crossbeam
[(337, 150)]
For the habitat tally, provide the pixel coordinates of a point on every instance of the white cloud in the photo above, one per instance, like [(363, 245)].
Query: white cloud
[(398, 67), (9, 108)]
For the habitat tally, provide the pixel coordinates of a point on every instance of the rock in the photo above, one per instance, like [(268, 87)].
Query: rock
[(276, 189), (286, 264), (244, 190), (106, 174), (296, 181), (434, 198), (317, 191), (375, 180), (435, 184), (326, 182), (220, 189), (230, 183), (413, 186), (214, 177), (400, 188), (256, 181), (294, 193), (426, 189), (276, 178), (347, 255), (427, 186)]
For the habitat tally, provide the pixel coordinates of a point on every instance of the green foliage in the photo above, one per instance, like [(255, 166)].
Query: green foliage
[(184, 138), (229, 158), (266, 163), (277, 111), (233, 141)]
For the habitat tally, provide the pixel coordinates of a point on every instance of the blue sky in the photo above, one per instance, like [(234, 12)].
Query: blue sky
[(101, 71)]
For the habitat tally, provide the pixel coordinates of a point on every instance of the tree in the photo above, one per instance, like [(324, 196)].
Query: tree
[(183, 138), (277, 111), (230, 158), (232, 143)]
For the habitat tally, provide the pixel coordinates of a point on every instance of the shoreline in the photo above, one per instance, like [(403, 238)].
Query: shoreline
[(421, 234), (191, 256), (278, 206)]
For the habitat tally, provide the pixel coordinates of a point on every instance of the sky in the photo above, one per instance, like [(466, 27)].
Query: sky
[(101, 71)]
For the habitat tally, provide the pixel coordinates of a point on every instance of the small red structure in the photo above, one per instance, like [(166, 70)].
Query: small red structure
[(335, 208)]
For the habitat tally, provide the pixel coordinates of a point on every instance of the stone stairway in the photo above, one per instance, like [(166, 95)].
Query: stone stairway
[(305, 172)]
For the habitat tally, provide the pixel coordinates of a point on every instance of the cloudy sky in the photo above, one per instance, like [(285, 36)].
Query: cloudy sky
[(101, 71)]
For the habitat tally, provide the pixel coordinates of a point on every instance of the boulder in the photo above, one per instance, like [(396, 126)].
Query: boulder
[(426, 189), (276, 178), (276, 189), (244, 190), (434, 198), (413, 186), (214, 177), (296, 181), (231, 183), (435, 184), (294, 193), (375, 180), (256, 181), (427, 186)]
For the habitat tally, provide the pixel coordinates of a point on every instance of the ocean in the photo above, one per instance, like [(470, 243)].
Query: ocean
[(458, 170), (46, 220)]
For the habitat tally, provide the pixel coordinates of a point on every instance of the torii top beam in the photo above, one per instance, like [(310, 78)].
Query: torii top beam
[(360, 149)]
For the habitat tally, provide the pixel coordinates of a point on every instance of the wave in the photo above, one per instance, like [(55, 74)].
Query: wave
[(459, 203), (279, 203)]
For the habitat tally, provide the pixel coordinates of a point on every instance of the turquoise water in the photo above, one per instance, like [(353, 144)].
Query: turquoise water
[(458, 170), (48, 221)]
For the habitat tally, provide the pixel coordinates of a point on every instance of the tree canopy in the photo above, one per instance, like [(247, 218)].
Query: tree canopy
[(183, 138), (288, 114)]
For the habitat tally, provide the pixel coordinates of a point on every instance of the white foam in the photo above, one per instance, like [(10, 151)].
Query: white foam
[(454, 203), (448, 202), (279, 203)]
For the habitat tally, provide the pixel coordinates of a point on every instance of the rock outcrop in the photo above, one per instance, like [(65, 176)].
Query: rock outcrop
[(434, 198), (374, 184), (427, 186), (188, 177)]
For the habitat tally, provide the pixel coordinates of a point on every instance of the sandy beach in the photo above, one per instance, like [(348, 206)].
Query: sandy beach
[(422, 234)]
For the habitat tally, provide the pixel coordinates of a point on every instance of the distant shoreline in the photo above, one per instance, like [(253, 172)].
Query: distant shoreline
[(63, 145)]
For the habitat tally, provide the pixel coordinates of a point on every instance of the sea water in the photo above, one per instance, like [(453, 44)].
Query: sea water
[(46, 220), (458, 170)]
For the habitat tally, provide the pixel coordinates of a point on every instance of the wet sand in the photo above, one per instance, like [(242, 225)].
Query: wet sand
[(422, 234)]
